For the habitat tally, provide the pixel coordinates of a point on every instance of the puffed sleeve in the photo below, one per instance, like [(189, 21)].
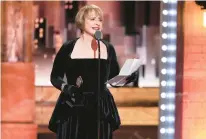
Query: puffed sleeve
[(114, 65), (58, 69)]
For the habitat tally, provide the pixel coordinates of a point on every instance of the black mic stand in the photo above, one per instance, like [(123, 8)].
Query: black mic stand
[(98, 36), (98, 92)]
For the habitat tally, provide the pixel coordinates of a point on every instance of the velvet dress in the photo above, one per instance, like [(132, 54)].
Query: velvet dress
[(81, 122)]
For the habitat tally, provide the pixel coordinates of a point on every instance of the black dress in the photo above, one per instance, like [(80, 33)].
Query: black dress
[(81, 122)]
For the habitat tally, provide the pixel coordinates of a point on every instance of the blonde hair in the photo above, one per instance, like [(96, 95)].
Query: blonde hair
[(84, 12)]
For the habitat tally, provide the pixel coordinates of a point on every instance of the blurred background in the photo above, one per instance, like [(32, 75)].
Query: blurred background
[(128, 26), (33, 31)]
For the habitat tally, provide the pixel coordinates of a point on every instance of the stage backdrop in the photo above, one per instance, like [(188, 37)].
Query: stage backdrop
[(55, 28)]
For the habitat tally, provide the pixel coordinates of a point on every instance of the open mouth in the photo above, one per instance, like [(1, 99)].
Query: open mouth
[(95, 28)]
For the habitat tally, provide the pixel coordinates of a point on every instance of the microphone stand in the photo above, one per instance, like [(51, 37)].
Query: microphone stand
[(97, 36), (98, 92)]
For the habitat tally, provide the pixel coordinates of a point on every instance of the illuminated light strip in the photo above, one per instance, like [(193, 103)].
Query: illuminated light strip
[(168, 69)]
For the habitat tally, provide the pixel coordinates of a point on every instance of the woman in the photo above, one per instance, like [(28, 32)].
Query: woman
[(78, 61)]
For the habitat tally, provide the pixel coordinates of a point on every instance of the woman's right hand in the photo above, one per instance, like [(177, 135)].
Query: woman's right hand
[(71, 90)]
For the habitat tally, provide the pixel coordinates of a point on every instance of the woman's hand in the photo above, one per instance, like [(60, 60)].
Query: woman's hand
[(79, 81), (70, 90)]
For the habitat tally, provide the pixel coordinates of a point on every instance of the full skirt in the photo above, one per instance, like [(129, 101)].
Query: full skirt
[(82, 123)]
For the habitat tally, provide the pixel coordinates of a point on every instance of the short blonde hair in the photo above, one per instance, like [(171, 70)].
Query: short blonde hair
[(84, 12)]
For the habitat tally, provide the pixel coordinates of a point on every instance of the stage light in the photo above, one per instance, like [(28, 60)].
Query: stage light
[(170, 83), (172, 12), (171, 59), (172, 36), (165, 1), (171, 71), (70, 7), (171, 47), (163, 83), (164, 47), (171, 95), (163, 107), (164, 36), (170, 130), (41, 20), (168, 69), (173, 1), (172, 24), (164, 59), (162, 130), (162, 118), (170, 107), (35, 46), (36, 25), (164, 24), (163, 71), (35, 41), (170, 119), (167, 95), (37, 20), (41, 35), (163, 95), (45, 56), (66, 6), (165, 12), (41, 30)]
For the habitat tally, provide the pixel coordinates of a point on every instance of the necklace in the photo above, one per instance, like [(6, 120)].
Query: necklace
[(93, 44), (94, 47)]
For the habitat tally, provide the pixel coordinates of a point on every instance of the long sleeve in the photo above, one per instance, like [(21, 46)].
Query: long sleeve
[(114, 65), (58, 70)]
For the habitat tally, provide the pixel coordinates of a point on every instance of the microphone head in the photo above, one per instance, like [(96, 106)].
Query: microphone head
[(98, 35)]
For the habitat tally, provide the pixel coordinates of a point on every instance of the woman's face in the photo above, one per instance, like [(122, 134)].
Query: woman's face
[(93, 22)]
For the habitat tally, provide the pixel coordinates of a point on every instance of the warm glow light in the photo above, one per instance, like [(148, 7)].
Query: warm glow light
[(35, 41), (45, 56), (70, 6), (35, 46), (37, 20), (66, 6), (37, 25), (41, 20), (41, 30), (204, 18), (40, 35)]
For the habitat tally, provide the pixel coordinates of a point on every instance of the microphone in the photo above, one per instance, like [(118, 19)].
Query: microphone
[(98, 35)]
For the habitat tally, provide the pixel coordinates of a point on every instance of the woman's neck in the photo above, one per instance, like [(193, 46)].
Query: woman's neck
[(87, 38)]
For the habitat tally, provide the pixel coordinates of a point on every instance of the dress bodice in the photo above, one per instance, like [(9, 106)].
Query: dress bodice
[(88, 70)]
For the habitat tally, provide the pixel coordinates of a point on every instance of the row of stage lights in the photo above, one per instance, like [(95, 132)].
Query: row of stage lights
[(71, 8), (168, 70), (39, 32), (68, 4)]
